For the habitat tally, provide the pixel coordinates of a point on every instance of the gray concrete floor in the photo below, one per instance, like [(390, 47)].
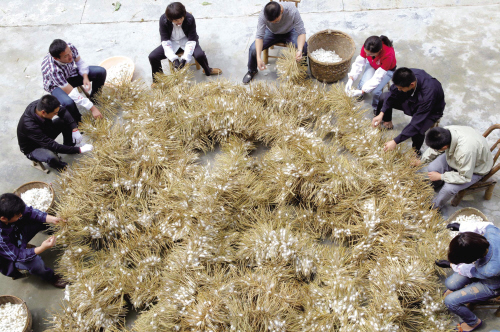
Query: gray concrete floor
[(456, 41)]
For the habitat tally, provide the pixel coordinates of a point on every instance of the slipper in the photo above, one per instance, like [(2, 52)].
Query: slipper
[(460, 329)]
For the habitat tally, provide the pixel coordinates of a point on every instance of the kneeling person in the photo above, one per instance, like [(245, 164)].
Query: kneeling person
[(37, 130), (15, 254), (178, 31)]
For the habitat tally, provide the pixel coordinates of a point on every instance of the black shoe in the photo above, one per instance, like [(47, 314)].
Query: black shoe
[(59, 282), (182, 64), (176, 64), (249, 76)]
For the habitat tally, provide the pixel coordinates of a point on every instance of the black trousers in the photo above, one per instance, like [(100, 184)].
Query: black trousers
[(158, 54), (417, 139)]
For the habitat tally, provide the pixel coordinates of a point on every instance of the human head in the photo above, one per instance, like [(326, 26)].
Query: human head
[(467, 247), (404, 79), (272, 12), (438, 138), (373, 45), (176, 12), (60, 51), (48, 106), (11, 208)]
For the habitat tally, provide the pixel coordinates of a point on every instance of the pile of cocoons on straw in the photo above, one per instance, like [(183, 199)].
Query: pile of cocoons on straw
[(472, 218), (326, 56), (118, 72), (38, 198), (12, 317)]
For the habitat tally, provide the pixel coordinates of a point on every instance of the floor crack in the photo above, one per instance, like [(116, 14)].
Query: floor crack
[(85, 5)]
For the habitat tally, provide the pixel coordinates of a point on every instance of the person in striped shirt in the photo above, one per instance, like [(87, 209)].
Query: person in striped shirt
[(63, 69)]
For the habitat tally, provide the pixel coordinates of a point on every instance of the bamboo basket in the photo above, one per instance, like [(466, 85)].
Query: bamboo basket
[(118, 60), (36, 184), (15, 300), (330, 40), (467, 212)]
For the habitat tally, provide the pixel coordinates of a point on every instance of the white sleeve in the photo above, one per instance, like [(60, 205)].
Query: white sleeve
[(374, 81), (79, 100), (357, 67), (463, 269), (475, 227), (83, 68), (169, 51), (189, 50)]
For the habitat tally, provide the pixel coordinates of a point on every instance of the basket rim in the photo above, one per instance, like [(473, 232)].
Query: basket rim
[(25, 306), (348, 59), (462, 210), (46, 184)]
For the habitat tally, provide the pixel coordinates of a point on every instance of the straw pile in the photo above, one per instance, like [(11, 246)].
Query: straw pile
[(323, 232)]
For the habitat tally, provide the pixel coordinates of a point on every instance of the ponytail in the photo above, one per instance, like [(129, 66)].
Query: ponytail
[(386, 41), (374, 43)]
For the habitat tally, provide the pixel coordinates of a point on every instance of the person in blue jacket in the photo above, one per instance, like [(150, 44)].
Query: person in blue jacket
[(18, 225), (474, 255)]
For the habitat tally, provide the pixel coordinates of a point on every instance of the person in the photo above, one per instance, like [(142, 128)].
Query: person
[(278, 23), (19, 224), (378, 59), (178, 32), (459, 157), (37, 130), (63, 69), (474, 256), (418, 95)]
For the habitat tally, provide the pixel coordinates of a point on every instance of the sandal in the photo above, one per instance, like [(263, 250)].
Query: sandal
[(460, 329)]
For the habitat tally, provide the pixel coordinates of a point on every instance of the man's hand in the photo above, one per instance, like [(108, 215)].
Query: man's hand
[(454, 226), (96, 113), (389, 146), (377, 120), (49, 243), (86, 83), (176, 64), (261, 64), (434, 176), (348, 85), (182, 64), (53, 220), (415, 161), (77, 137), (86, 148), (356, 93), (298, 55), (443, 263)]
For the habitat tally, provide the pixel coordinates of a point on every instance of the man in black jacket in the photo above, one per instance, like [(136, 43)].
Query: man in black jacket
[(178, 31), (418, 95), (37, 130)]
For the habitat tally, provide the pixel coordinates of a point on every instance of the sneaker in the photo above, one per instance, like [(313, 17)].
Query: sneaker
[(59, 282), (249, 76)]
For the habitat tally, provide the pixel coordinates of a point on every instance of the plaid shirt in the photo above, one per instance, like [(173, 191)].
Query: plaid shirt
[(55, 73)]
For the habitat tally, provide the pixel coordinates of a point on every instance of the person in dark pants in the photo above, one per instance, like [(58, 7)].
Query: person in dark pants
[(178, 32), (278, 23), (418, 95), (63, 69), (19, 224), (37, 130)]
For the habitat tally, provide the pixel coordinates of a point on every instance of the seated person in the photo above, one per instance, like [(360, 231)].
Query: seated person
[(278, 23), (37, 130), (63, 69), (459, 157), (474, 255), (19, 224), (178, 32), (418, 95)]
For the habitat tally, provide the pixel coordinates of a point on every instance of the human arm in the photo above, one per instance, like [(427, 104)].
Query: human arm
[(373, 82), (301, 40), (357, 67), (34, 133), (430, 154), (466, 163), (259, 40), (475, 227), (258, 49), (49, 243), (169, 51), (53, 219)]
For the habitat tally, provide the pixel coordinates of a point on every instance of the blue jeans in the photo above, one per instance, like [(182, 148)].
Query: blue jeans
[(36, 266), (466, 290), (269, 40), (97, 75), (367, 75)]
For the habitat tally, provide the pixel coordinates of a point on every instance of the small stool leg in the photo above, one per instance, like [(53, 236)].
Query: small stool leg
[(458, 198), (497, 313), (198, 67), (489, 191), (265, 56), (39, 165)]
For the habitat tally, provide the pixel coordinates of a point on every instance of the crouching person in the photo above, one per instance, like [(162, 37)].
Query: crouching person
[(37, 130), (19, 224), (474, 256)]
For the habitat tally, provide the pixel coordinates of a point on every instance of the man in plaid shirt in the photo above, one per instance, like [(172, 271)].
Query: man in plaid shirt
[(63, 69)]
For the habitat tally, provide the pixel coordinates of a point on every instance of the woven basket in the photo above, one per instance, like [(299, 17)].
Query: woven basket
[(330, 40), (466, 212), (15, 300), (36, 184)]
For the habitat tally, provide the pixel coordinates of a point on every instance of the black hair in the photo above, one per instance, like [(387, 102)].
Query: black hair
[(467, 247), (272, 11), (437, 138), (403, 77), (57, 47), (11, 205), (373, 44), (48, 103), (175, 11)]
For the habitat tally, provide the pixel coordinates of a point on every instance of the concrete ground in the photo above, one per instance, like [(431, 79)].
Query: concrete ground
[(456, 41)]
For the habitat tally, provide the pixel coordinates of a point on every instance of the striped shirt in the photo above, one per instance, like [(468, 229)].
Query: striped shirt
[(55, 73)]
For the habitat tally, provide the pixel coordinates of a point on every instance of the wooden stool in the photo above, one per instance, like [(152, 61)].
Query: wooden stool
[(265, 53), (490, 304), (179, 54), (486, 183), (39, 165)]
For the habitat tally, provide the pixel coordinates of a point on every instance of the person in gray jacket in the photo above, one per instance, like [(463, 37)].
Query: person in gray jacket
[(459, 157), (278, 23)]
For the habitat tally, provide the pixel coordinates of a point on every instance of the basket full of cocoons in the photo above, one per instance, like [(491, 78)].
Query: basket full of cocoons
[(40, 195), (330, 53), (14, 315), (118, 70)]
